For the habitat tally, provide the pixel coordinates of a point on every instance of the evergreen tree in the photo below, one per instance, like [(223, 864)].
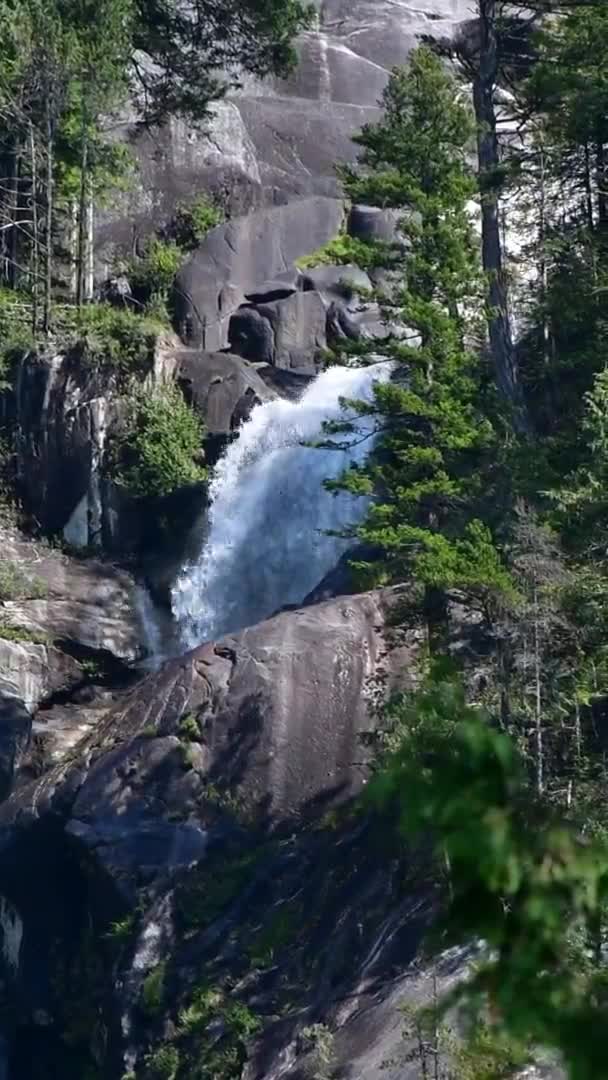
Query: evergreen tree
[(430, 473)]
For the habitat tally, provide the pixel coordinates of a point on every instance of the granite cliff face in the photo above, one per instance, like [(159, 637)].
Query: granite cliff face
[(275, 142)]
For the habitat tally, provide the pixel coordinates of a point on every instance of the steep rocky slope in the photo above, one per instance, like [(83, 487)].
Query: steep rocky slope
[(275, 142), (193, 844)]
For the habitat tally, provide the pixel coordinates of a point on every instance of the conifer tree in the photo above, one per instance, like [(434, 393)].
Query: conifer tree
[(430, 472)]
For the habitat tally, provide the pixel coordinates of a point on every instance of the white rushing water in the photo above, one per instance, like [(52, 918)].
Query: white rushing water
[(266, 544)]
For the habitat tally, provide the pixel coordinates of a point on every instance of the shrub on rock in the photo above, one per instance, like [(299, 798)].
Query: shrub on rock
[(160, 449)]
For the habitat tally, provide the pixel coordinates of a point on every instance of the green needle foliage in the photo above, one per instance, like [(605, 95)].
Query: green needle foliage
[(432, 468), (161, 448), (525, 885)]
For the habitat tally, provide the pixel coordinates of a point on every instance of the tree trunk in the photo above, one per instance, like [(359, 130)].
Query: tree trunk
[(35, 256), (90, 274), (437, 620), (499, 327), (49, 213), (538, 722), (588, 189), (13, 244), (542, 261), (601, 167), (82, 220)]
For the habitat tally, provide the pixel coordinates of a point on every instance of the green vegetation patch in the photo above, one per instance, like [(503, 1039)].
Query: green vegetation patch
[(273, 937), (153, 990), (21, 635), (17, 584), (193, 220), (345, 250), (156, 454), (210, 888), (116, 338)]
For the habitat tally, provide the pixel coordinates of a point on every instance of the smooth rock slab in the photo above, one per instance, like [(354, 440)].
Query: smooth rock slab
[(237, 257), (288, 333), (222, 387), (281, 708)]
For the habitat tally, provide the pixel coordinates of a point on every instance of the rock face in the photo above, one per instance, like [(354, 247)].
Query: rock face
[(222, 387), (286, 333), (278, 141), (64, 624), (88, 604), (260, 732), (241, 256)]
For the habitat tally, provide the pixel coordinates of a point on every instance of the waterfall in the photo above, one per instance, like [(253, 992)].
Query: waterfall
[(266, 542)]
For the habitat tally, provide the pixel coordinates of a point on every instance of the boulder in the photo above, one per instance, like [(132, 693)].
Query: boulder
[(250, 335), (15, 732), (287, 333), (273, 290), (288, 384), (373, 223), (280, 709), (33, 671), (148, 840), (83, 605), (245, 252), (336, 282), (222, 387)]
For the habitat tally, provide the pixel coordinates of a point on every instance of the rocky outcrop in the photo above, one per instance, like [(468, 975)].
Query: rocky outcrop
[(222, 387), (277, 141), (286, 333), (64, 624), (85, 604), (15, 733), (167, 797), (274, 713), (241, 256)]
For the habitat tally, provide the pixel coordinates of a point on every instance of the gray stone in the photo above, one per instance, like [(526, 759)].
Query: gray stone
[(15, 732), (281, 706), (274, 290), (288, 333), (223, 388), (276, 141), (288, 384), (250, 335), (336, 282), (373, 223), (31, 671), (83, 602), (237, 256)]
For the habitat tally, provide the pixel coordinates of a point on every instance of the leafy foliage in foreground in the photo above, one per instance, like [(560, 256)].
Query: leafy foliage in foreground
[(528, 885)]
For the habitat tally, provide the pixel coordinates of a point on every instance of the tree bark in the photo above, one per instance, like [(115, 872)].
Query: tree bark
[(35, 238), (538, 719), (588, 190), (49, 214), (82, 220), (13, 249), (499, 327), (601, 168)]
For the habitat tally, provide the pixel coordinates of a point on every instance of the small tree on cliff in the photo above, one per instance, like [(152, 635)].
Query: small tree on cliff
[(429, 473)]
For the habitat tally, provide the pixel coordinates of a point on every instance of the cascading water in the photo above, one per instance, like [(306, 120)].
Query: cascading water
[(267, 544)]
